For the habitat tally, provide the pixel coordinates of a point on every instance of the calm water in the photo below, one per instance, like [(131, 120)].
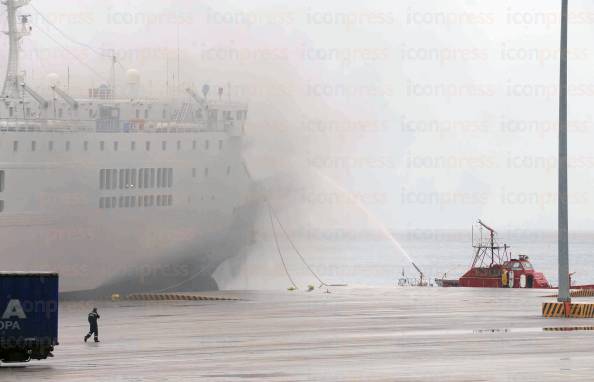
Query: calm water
[(367, 258), (374, 262)]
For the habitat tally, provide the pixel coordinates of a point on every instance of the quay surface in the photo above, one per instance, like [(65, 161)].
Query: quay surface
[(350, 334)]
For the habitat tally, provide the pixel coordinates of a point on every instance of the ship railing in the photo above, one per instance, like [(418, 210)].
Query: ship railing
[(44, 125), (90, 126)]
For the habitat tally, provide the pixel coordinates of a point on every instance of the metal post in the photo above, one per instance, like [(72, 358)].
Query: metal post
[(564, 295)]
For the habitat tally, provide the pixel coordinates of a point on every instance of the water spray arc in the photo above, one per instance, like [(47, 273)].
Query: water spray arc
[(381, 226)]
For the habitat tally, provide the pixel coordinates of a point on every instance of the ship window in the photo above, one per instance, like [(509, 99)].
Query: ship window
[(228, 170), (516, 266), (148, 146), (15, 146), (146, 114), (107, 179), (160, 178), (11, 111), (86, 146), (121, 202), (220, 145), (102, 179), (28, 112), (140, 177), (60, 112), (128, 178), (51, 145), (158, 200), (2, 181), (90, 113), (33, 145), (132, 146), (193, 145), (114, 179), (164, 114), (137, 114), (170, 177), (206, 172), (170, 200), (114, 201), (239, 115), (206, 145), (67, 146), (146, 178), (133, 178), (193, 173), (527, 266), (1, 205), (115, 146), (164, 145), (133, 201), (101, 145), (178, 145), (152, 183), (122, 178)]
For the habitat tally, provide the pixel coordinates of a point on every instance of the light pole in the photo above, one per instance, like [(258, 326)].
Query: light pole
[(563, 240)]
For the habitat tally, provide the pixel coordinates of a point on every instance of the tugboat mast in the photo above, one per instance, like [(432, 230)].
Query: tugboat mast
[(14, 78)]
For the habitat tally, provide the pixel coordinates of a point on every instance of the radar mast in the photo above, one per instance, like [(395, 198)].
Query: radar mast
[(14, 77)]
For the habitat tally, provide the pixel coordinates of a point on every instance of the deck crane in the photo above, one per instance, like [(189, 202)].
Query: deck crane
[(36, 96), (69, 100), (197, 98)]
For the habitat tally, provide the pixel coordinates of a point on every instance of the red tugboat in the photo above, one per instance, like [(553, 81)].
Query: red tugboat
[(494, 267)]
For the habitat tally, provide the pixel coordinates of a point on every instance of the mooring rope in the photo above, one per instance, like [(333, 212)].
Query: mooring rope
[(322, 282), (280, 253)]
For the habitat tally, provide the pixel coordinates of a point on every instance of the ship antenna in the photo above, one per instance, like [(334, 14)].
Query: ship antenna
[(114, 61), (11, 87)]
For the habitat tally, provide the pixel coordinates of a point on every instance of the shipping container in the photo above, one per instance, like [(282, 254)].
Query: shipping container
[(28, 315)]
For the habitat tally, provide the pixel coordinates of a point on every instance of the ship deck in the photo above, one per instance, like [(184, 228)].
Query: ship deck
[(372, 334)]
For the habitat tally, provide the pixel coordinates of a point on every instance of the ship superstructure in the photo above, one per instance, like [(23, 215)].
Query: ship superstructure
[(103, 186)]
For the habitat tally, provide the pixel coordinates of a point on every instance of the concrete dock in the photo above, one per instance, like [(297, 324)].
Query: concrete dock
[(351, 334)]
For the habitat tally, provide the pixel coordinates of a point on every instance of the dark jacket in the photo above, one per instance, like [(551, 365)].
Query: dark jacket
[(93, 317)]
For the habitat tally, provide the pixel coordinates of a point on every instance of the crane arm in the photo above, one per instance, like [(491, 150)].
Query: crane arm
[(40, 100), (69, 100), (197, 98), (486, 226)]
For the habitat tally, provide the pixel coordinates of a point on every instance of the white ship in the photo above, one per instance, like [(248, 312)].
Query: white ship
[(109, 186)]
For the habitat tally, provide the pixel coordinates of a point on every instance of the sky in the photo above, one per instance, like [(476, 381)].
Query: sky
[(430, 114)]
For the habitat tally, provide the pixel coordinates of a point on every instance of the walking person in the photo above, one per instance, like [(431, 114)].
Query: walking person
[(94, 328)]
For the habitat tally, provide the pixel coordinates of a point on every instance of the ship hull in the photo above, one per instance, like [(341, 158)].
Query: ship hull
[(60, 213)]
